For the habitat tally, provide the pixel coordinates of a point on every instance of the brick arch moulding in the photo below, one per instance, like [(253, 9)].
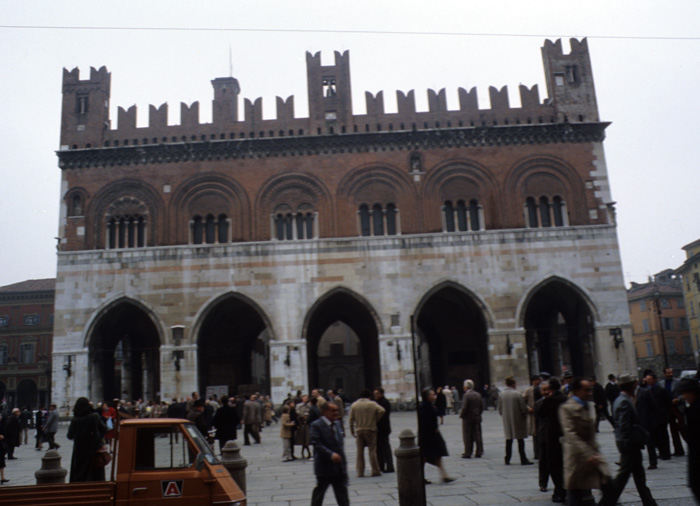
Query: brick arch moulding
[(214, 194), (382, 184), (461, 179), (117, 194), (545, 176), (294, 192)]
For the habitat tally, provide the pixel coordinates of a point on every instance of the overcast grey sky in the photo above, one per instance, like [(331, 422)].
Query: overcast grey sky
[(646, 66)]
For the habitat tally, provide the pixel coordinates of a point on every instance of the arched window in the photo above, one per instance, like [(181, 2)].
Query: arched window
[(474, 218), (532, 220), (289, 225), (377, 220), (126, 224), (390, 219), (126, 232), (197, 230), (558, 211), (222, 222), (449, 212), (544, 213), (461, 216), (210, 230), (279, 227), (310, 225), (76, 205), (365, 229)]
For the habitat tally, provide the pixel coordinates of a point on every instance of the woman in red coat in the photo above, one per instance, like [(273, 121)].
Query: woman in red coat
[(109, 413)]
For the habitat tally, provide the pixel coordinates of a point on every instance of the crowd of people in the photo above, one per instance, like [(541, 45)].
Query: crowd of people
[(561, 417)]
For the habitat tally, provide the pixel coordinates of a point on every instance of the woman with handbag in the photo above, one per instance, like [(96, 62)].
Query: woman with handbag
[(87, 431)]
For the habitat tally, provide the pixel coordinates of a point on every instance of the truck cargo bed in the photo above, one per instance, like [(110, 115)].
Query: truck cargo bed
[(72, 494)]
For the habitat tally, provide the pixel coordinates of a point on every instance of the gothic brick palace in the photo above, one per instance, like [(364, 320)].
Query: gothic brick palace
[(283, 254)]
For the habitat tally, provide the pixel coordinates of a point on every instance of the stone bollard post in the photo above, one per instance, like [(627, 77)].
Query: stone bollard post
[(409, 472), (51, 471), (234, 463)]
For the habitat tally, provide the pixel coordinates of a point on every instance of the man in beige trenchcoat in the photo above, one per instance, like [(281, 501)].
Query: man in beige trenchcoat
[(513, 410), (584, 466)]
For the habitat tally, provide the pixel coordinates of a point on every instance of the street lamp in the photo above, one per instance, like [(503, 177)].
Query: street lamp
[(616, 334), (657, 302)]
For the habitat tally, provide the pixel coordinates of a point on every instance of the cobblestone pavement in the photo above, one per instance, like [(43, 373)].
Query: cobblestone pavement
[(485, 481)]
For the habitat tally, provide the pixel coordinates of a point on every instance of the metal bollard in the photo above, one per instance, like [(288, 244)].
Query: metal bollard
[(51, 471), (409, 474), (234, 463)]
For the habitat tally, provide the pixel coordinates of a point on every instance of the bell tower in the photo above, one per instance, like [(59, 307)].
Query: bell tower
[(570, 81), (330, 97), (85, 110), (225, 104)]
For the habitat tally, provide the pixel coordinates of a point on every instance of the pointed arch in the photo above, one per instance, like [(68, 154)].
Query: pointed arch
[(350, 293), (123, 339), (553, 278), (559, 319), (451, 336), (448, 283), (357, 314), (232, 334), (107, 306)]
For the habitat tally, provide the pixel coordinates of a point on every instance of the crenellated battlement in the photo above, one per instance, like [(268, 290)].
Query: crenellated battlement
[(569, 84)]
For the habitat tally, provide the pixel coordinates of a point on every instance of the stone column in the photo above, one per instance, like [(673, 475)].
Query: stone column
[(234, 463), (396, 357), (502, 363), (288, 368), (51, 471), (409, 471)]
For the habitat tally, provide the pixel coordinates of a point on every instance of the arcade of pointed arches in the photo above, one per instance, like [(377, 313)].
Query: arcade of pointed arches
[(342, 332)]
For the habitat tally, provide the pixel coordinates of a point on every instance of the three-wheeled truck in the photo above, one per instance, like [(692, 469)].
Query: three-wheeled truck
[(158, 461)]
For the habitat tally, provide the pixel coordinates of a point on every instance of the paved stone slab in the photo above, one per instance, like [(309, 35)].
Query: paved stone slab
[(485, 481)]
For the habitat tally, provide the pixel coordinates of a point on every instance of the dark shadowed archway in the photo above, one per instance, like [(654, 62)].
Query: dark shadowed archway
[(452, 338), (342, 332), (232, 347), (27, 393), (559, 330), (124, 354)]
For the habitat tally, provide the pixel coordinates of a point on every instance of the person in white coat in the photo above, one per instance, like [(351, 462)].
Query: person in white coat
[(513, 411)]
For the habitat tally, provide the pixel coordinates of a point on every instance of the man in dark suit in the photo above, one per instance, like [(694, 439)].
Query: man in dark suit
[(676, 420), (600, 401), (690, 390), (386, 462), (629, 437), (550, 411), (611, 390), (663, 401), (646, 408), (330, 464)]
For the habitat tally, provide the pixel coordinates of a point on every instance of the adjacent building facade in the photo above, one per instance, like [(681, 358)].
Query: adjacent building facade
[(287, 253), (26, 341), (660, 323), (690, 273)]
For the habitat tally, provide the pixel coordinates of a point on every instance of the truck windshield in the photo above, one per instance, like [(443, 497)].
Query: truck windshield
[(201, 443)]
